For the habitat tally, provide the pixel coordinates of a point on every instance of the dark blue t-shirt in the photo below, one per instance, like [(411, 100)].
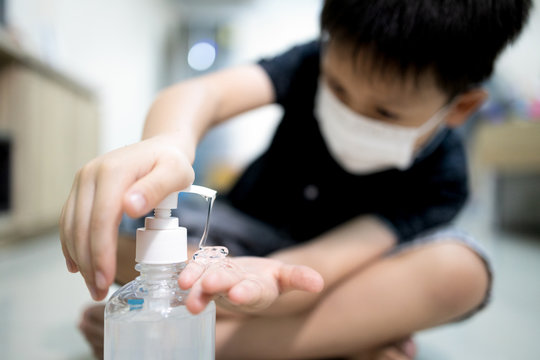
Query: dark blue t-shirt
[(298, 188)]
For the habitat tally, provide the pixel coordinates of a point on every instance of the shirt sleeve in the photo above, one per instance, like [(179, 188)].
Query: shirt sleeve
[(435, 193), (291, 67)]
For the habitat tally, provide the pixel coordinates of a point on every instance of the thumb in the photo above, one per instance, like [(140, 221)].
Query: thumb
[(167, 176)]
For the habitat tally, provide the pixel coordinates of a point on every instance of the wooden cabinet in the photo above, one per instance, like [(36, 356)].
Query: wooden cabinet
[(509, 153), (513, 146), (51, 124)]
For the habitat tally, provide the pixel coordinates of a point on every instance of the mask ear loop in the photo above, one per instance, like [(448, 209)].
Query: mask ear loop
[(434, 121)]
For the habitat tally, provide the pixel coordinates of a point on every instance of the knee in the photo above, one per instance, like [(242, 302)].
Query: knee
[(461, 278)]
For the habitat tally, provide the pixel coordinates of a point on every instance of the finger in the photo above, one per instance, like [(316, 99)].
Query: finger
[(168, 175), (66, 228), (393, 353), (251, 293), (84, 198), (197, 300), (299, 277), (408, 347), (105, 219), (190, 275), (70, 264), (220, 279), (211, 280)]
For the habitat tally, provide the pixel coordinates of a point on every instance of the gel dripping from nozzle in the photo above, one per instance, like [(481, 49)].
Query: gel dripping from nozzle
[(209, 254), (210, 201)]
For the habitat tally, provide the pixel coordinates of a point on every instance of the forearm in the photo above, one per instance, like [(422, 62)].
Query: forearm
[(335, 255), (190, 108), (184, 111)]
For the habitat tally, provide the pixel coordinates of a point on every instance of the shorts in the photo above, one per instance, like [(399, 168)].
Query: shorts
[(244, 235)]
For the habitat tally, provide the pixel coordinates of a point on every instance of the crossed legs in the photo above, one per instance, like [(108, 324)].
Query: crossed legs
[(362, 315), (380, 304)]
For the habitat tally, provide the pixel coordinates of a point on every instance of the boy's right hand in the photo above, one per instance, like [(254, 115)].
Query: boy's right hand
[(132, 179)]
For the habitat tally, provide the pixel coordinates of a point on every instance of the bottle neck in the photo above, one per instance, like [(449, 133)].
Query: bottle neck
[(154, 273)]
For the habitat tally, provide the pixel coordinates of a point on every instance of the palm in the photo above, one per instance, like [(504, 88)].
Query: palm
[(246, 284)]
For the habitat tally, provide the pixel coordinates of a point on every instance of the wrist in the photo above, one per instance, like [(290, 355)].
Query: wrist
[(178, 140)]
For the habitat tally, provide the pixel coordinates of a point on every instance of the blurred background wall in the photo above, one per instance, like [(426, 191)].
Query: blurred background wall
[(125, 51)]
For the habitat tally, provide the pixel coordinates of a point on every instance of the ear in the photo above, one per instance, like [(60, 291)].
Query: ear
[(465, 105)]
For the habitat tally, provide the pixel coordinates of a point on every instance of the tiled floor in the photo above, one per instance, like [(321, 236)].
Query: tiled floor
[(40, 302)]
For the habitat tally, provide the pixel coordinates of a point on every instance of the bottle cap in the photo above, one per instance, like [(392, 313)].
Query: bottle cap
[(162, 241)]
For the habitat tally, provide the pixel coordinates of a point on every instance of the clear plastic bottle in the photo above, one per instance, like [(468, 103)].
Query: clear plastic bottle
[(147, 318)]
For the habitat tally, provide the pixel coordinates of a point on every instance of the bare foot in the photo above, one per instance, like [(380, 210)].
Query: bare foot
[(92, 327)]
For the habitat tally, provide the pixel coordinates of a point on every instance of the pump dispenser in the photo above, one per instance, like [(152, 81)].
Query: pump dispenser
[(147, 318)]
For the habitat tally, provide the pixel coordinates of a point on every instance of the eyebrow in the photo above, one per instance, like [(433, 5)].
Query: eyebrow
[(396, 106)]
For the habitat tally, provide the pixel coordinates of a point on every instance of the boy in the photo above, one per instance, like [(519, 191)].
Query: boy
[(362, 165)]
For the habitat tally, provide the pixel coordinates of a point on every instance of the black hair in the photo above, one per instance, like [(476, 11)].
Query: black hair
[(459, 40)]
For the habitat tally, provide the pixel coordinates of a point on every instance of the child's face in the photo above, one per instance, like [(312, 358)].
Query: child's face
[(387, 97)]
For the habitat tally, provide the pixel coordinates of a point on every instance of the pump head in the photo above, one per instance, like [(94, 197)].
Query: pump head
[(162, 240)]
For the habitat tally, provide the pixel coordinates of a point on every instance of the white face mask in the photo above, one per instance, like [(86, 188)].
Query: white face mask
[(364, 145)]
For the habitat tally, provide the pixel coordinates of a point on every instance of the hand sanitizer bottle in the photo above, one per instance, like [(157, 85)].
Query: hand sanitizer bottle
[(147, 318)]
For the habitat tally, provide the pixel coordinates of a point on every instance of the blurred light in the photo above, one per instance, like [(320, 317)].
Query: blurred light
[(201, 55)]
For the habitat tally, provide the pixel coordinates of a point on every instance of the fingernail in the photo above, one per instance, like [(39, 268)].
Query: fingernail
[(137, 201), (93, 292), (101, 281), (70, 265)]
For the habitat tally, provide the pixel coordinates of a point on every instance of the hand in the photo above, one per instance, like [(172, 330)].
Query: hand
[(244, 284), (133, 180)]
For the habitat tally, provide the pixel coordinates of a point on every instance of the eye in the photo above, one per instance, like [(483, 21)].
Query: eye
[(338, 89), (386, 114)]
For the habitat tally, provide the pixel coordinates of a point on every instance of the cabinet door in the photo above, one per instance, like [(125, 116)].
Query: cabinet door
[(6, 138), (86, 132), (23, 98), (56, 115), (54, 132)]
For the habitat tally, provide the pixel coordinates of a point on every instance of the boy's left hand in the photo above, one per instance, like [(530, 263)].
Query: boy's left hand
[(245, 284)]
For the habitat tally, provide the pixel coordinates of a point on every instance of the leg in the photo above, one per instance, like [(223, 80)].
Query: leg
[(125, 260), (393, 297)]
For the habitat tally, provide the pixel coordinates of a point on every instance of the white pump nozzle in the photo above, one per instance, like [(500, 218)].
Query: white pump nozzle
[(162, 241), (171, 201)]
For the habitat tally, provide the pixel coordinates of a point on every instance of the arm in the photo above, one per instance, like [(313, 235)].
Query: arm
[(190, 108), (135, 178)]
